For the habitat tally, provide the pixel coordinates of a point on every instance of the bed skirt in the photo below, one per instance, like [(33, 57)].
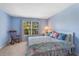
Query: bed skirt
[(59, 52)]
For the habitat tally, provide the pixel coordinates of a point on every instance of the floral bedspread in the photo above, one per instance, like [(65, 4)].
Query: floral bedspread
[(42, 47)]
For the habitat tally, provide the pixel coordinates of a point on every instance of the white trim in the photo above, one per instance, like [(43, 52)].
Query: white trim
[(3, 46)]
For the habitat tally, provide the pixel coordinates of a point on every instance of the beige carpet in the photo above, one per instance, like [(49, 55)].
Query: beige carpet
[(18, 49)]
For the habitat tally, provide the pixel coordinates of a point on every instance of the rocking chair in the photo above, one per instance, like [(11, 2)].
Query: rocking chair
[(14, 37)]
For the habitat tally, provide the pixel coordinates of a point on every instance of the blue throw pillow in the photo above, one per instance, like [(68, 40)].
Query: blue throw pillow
[(49, 33), (62, 36)]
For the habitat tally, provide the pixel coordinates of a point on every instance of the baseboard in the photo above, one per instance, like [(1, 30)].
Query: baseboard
[(2, 46)]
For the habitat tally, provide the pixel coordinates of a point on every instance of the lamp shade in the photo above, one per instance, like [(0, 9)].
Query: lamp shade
[(47, 29)]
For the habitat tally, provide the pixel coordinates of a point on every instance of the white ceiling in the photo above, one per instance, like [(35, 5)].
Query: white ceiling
[(36, 10)]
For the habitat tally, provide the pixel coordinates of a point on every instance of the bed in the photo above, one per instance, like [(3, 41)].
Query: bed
[(47, 46)]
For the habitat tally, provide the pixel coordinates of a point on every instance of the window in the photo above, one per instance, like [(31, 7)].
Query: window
[(30, 28)]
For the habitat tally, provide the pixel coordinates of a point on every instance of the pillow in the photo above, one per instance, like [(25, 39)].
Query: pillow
[(62, 36), (49, 33), (55, 34)]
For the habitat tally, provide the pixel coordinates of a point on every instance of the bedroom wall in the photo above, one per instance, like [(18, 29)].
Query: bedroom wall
[(15, 24), (42, 23), (4, 28), (67, 20)]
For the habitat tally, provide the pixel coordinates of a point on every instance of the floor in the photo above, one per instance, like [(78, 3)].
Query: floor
[(18, 49)]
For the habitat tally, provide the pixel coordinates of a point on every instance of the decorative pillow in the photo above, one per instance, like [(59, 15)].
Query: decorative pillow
[(55, 34), (49, 33), (62, 36)]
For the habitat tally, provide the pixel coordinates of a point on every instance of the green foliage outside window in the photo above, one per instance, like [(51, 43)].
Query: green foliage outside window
[(30, 28)]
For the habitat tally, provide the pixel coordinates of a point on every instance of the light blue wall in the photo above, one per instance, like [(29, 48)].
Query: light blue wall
[(67, 20), (15, 24), (4, 28)]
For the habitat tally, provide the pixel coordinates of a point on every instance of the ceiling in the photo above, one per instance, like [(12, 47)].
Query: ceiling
[(36, 10)]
